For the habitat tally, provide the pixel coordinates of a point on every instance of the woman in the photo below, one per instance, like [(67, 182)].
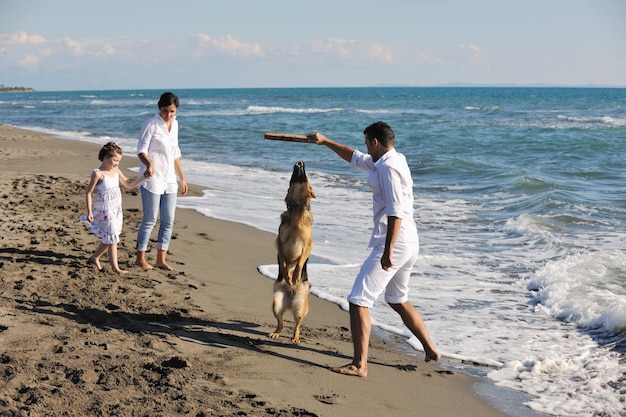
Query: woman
[(160, 155)]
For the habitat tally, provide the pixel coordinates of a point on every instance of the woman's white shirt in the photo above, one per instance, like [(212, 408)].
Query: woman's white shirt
[(161, 147)]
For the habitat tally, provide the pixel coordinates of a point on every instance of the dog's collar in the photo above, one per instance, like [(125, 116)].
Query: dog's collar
[(297, 206)]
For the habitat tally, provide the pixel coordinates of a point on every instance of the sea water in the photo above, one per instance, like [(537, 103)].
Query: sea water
[(519, 199)]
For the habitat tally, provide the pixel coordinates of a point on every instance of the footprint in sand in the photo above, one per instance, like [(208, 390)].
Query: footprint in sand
[(327, 398)]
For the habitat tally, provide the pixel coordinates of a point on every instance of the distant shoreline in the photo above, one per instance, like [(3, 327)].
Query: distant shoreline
[(4, 89)]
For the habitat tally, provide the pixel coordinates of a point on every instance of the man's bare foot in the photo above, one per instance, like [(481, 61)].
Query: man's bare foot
[(143, 265), (164, 265), (351, 370), (121, 271), (95, 262), (432, 355)]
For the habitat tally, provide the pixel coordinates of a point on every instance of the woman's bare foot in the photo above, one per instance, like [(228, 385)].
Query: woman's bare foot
[(164, 265), (141, 261), (351, 370), (95, 262), (160, 260), (143, 265)]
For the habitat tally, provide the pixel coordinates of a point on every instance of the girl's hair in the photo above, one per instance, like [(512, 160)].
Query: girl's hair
[(109, 150), (167, 99)]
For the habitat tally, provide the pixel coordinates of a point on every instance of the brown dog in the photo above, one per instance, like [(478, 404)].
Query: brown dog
[(294, 244)]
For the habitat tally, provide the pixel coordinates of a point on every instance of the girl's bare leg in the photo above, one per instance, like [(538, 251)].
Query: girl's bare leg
[(113, 259), (95, 258)]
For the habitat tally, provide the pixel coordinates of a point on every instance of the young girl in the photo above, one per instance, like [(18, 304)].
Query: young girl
[(104, 216)]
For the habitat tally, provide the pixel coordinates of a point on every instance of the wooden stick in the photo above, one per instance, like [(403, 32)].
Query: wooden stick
[(289, 137)]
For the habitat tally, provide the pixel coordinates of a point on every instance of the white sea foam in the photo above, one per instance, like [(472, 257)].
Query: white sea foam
[(265, 109), (599, 119), (585, 289)]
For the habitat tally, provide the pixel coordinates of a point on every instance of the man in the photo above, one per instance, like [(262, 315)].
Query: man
[(394, 242)]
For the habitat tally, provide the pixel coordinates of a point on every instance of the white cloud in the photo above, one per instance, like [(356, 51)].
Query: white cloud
[(477, 55), (74, 46), (29, 61), (430, 58), (21, 38), (234, 47), (352, 49), (471, 47), (229, 45), (24, 50), (379, 52), (333, 46)]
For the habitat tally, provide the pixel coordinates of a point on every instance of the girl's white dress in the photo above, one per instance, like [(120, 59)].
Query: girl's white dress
[(107, 210)]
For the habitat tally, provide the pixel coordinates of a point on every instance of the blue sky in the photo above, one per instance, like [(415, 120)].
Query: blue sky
[(136, 44)]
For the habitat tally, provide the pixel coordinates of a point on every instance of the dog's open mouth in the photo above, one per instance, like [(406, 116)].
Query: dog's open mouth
[(299, 174)]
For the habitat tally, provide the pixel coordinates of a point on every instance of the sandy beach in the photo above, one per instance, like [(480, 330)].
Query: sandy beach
[(78, 342)]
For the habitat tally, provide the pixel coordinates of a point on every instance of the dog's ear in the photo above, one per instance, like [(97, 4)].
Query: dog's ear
[(311, 192)]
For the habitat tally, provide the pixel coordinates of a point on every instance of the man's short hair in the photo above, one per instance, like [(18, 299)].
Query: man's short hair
[(381, 131)]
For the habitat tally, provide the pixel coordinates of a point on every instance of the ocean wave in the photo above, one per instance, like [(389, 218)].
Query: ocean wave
[(492, 109), (196, 102), (266, 110), (588, 290), (576, 377), (599, 119), (375, 111), (130, 102), (16, 105)]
